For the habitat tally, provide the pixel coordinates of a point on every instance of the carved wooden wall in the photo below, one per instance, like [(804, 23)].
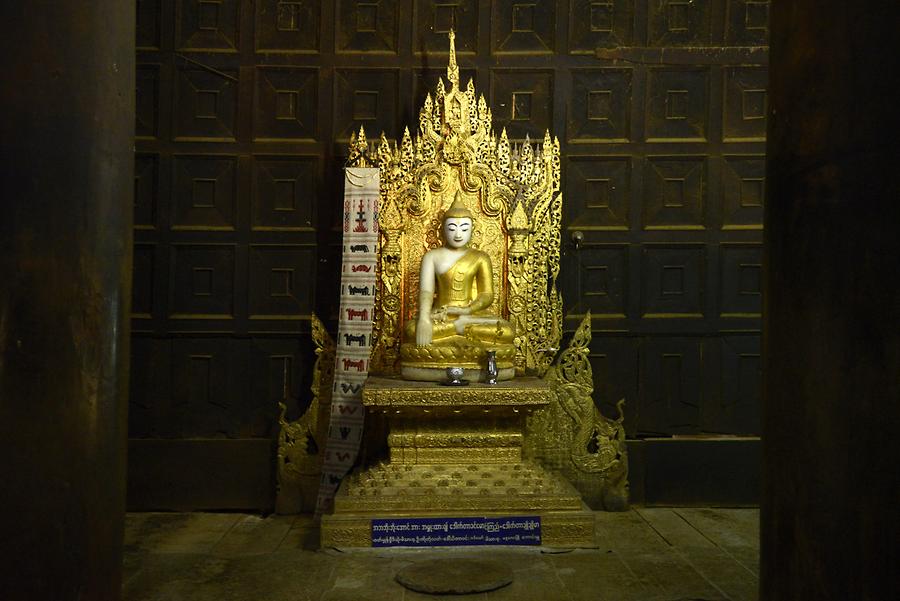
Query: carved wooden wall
[(243, 113)]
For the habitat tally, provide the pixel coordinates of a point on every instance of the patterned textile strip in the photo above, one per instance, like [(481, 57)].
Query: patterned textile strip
[(354, 341)]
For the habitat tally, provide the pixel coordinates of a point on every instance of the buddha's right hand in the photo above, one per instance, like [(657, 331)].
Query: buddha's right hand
[(424, 331)]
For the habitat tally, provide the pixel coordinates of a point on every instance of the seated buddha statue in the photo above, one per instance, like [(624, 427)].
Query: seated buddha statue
[(455, 326)]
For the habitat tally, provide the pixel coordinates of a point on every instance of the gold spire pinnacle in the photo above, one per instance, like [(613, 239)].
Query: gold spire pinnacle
[(457, 209), (452, 67)]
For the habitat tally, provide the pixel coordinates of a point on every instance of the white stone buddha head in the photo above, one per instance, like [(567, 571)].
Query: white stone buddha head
[(458, 224)]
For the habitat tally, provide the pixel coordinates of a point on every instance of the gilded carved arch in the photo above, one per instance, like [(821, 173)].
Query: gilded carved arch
[(513, 190)]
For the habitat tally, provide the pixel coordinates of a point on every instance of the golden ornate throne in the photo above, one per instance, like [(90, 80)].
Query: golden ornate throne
[(533, 445)]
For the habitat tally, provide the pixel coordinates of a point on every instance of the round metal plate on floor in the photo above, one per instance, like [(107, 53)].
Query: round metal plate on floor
[(455, 576)]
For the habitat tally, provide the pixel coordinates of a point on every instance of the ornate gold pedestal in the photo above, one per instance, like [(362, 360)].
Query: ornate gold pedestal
[(457, 452)]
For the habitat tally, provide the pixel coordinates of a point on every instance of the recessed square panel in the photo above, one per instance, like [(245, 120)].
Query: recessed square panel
[(677, 104), (523, 17), (281, 281), (144, 259), (287, 100), (286, 105), (675, 193), (208, 397), (680, 23), (678, 15), (284, 372), (200, 379), (523, 27), (444, 19), (599, 24), (147, 30), (435, 18), (752, 191), (287, 26), (284, 192), (745, 103), (522, 101), (614, 363), (147, 101), (741, 281), (673, 281), (288, 16), (602, 281), (672, 390), (753, 103), (146, 190), (596, 281), (208, 25), (747, 22), (743, 192), (367, 26), (149, 382), (741, 385), (205, 193), (205, 105), (285, 195), (521, 106), (756, 14), (601, 16), (599, 105), (366, 16), (365, 105), (366, 97), (203, 281), (598, 192), (749, 277), (208, 15)]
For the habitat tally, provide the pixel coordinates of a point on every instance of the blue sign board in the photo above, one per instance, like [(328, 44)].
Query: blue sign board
[(438, 532)]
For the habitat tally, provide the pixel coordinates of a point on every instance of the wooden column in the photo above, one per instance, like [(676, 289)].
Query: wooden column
[(832, 304), (67, 115)]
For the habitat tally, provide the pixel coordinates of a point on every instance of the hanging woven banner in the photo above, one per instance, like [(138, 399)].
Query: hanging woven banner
[(354, 341)]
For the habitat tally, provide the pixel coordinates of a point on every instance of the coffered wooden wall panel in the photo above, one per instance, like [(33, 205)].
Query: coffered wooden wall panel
[(243, 112)]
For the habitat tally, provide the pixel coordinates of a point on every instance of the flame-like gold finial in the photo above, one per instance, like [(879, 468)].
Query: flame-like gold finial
[(457, 208), (452, 67)]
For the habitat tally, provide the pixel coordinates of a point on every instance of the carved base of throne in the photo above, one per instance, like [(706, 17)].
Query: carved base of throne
[(429, 363), (457, 452), (439, 374)]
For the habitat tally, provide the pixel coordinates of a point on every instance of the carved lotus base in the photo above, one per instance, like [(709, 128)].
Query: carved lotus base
[(429, 363), (439, 374)]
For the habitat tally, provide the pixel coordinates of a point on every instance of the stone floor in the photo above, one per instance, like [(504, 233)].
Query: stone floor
[(659, 554)]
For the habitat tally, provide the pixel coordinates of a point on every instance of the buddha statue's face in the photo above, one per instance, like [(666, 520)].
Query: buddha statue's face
[(457, 231)]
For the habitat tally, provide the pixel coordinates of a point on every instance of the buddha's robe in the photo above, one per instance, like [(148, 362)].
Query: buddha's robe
[(468, 283)]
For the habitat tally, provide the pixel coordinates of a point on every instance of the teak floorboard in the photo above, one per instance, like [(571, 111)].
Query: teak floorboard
[(645, 554), (726, 576)]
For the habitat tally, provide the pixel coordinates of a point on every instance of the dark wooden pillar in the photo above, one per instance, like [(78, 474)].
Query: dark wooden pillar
[(832, 310), (66, 179)]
